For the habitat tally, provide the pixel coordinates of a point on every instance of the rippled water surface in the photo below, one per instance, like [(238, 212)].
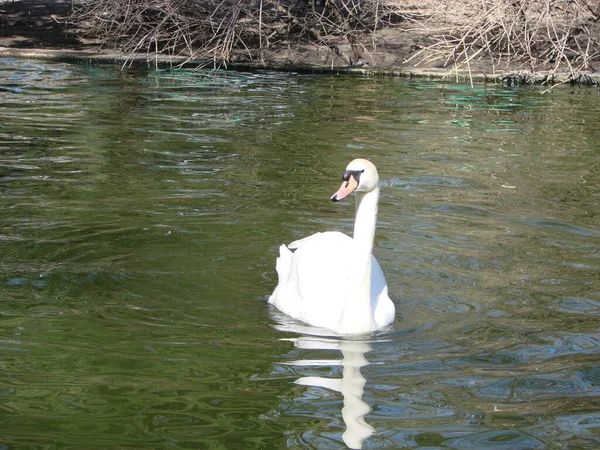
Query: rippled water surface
[(140, 217)]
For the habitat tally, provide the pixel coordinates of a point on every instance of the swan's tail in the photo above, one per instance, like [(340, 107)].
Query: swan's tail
[(282, 265)]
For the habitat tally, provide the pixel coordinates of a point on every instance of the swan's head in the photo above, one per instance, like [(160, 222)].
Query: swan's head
[(360, 176)]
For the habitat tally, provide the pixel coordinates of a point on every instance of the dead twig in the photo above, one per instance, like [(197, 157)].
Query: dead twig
[(543, 35), (215, 29)]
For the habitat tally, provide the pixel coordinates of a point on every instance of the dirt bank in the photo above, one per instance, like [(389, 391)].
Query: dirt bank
[(38, 29)]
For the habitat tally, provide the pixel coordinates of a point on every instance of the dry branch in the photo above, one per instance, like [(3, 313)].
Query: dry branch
[(540, 35), (547, 35), (213, 29)]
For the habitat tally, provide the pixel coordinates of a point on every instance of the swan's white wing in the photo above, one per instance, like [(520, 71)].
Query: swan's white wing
[(314, 280), (384, 311), (315, 287)]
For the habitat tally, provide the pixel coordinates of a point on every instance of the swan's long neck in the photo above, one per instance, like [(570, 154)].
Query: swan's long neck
[(358, 314), (366, 219)]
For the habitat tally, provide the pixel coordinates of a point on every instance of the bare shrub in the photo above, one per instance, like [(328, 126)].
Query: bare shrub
[(537, 34), (546, 35), (214, 28)]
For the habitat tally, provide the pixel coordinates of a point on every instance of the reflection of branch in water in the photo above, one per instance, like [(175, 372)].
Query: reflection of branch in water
[(351, 385)]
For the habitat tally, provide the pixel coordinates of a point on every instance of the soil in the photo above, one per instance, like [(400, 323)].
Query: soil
[(36, 29)]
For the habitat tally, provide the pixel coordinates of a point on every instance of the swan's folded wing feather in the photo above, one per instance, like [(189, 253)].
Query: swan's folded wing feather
[(321, 273), (283, 263), (384, 310), (283, 266), (297, 243), (331, 238), (314, 289)]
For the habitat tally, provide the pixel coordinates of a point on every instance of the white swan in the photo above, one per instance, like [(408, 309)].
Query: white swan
[(333, 280)]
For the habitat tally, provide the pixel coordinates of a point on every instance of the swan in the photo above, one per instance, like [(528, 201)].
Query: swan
[(332, 280)]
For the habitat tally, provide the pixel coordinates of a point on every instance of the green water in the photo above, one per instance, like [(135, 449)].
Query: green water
[(140, 219)]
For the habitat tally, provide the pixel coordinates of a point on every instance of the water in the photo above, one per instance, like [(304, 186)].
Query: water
[(140, 217)]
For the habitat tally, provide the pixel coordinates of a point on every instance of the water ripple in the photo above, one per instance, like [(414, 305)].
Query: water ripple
[(501, 439), (141, 212)]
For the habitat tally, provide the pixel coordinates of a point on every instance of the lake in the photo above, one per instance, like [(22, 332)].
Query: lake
[(141, 214)]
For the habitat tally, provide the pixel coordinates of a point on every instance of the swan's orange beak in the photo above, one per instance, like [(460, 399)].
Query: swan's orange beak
[(346, 189)]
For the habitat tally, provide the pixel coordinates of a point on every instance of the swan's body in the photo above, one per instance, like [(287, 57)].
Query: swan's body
[(333, 280)]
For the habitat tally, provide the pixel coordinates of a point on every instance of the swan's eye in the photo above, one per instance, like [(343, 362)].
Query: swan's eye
[(352, 173)]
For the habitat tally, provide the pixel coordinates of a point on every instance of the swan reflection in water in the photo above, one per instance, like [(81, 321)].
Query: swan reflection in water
[(352, 383)]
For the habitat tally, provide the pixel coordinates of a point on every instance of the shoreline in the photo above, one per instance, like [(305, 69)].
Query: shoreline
[(474, 76), (38, 30)]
